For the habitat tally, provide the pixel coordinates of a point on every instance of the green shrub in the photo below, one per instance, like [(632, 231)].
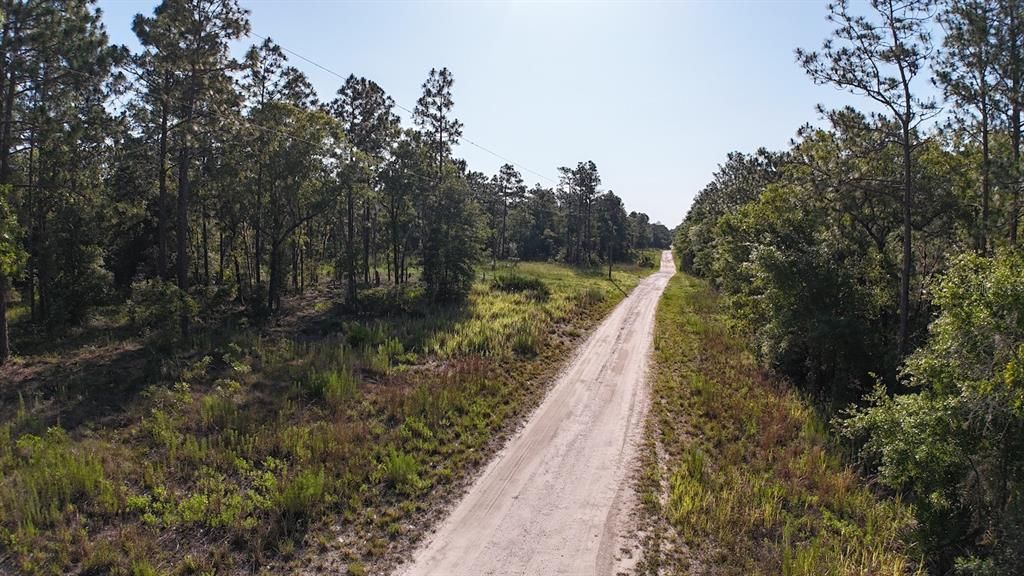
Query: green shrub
[(334, 386), (219, 410), (527, 337), (360, 336), (302, 495), (156, 307), (102, 559), (687, 496), (520, 284), (589, 297), (50, 474), (646, 260), (143, 568), (386, 354), (401, 471), (957, 443)]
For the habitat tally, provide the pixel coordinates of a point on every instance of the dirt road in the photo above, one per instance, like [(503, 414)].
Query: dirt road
[(552, 500)]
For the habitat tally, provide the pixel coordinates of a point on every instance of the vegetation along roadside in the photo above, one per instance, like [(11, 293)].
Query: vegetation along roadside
[(738, 474), (279, 452)]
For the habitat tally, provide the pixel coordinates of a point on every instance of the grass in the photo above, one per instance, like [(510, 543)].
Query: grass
[(275, 452), (739, 475)]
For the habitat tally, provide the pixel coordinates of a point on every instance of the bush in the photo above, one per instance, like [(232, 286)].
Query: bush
[(156, 307), (401, 471), (958, 444), (302, 495), (451, 241), (48, 476), (335, 386), (646, 260), (71, 256), (519, 284)]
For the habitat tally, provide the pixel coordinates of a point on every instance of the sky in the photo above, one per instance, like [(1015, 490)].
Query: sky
[(655, 93)]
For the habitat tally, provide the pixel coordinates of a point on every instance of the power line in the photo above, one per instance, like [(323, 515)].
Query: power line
[(248, 122), (403, 108)]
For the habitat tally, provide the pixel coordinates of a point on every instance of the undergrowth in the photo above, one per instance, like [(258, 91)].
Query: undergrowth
[(739, 474), (267, 453)]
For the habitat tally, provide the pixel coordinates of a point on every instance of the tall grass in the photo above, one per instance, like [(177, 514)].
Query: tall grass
[(47, 478), (747, 481), (517, 312)]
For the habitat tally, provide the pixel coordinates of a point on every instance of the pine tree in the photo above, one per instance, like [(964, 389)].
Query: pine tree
[(578, 189), (1009, 36), (613, 228), (508, 185), (965, 71), (365, 113), (879, 57), (450, 216), (433, 114), (55, 72), (190, 38), (401, 177)]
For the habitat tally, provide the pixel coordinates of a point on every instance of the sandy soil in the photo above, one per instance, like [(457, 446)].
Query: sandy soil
[(555, 499)]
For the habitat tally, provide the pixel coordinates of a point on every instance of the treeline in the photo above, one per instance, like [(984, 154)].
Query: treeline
[(879, 256), (189, 173)]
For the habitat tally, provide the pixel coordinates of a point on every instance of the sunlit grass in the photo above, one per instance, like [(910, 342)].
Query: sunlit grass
[(748, 481), (515, 311)]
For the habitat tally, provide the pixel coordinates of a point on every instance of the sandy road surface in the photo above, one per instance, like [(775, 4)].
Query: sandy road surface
[(553, 498)]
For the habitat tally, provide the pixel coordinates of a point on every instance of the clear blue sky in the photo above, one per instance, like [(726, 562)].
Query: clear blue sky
[(655, 93)]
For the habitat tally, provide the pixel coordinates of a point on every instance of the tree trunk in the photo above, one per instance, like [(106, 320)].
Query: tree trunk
[(220, 257), (43, 266), (366, 242), (609, 259), (258, 228), (986, 179), (504, 218), (184, 189), (350, 252), (907, 263), (275, 277), (248, 265), (395, 249), (296, 266), (8, 113), (5, 341), (238, 284), (206, 249), (162, 216), (33, 238), (588, 240), (195, 249), (5, 178), (1016, 136)]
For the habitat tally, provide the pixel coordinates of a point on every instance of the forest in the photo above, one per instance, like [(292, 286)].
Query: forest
[(876, 263), (184, 172)]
